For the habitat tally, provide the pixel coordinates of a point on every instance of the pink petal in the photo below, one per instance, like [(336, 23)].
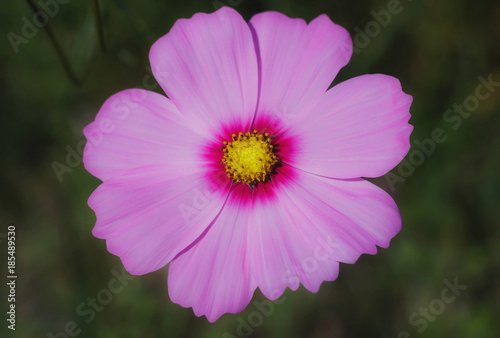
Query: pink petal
[(150, 214), (358, 129), (295, 229), (137, 128), (212, 276), (298, 61), (207, 65), (311, 224)]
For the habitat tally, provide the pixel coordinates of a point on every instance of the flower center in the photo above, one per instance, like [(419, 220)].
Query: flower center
[(250, 158)]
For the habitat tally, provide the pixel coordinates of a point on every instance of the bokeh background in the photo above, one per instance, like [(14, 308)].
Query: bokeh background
[(60, 75)]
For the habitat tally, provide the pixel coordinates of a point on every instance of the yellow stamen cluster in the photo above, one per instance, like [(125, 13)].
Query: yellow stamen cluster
[(250, 157)]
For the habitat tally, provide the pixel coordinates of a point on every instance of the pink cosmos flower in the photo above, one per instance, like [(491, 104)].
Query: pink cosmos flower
[(249, 174)]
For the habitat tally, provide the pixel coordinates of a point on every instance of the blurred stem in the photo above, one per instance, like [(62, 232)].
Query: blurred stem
[(59, 51), (98, 24)]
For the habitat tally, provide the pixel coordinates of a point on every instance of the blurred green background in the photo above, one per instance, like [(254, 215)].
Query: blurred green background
[(450, 201)]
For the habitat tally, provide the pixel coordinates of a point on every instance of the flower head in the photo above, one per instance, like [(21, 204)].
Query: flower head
[(249, 174)]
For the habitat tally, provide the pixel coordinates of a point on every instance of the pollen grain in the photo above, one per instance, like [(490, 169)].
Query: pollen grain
[(250, 158)]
